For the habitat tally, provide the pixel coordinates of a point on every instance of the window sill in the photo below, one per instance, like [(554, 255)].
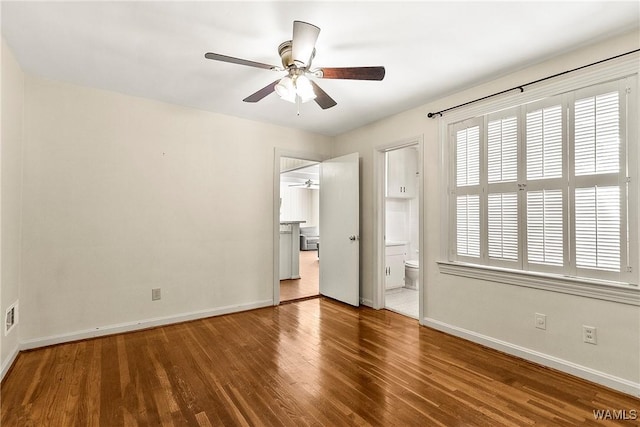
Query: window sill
[(590, 288)]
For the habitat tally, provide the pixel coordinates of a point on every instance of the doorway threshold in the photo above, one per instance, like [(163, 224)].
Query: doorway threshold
[(289, 301)]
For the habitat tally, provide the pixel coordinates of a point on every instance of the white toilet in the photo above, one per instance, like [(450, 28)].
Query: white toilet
[(411, 273)]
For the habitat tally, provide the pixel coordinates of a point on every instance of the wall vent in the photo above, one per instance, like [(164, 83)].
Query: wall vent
[(11, 318)]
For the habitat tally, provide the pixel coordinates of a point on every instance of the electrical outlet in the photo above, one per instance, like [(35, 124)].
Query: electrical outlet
[(155, 294), (589, 334), (541, 321)]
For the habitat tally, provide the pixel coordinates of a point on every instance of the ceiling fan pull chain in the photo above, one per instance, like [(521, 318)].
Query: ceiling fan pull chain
[(298, 105)]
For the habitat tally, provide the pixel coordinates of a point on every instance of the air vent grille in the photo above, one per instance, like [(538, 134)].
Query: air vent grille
[(11, 318)]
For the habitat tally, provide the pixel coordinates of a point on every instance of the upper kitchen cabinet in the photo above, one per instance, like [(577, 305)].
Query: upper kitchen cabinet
[(402, 166)]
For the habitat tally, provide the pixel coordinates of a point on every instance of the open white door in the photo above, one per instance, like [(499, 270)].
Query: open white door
[(340, 229)]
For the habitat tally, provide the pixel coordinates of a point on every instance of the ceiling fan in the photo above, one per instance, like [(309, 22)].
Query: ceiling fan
[(307, 184), (296, 55)]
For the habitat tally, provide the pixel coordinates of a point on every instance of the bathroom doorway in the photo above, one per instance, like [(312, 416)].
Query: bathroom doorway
[(299, 229), (400, 223)]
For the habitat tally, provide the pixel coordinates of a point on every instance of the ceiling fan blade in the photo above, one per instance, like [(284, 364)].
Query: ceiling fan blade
[(308, 183), (304, 40), (231, 59), (267, 90), (352, 73), (322, 98)]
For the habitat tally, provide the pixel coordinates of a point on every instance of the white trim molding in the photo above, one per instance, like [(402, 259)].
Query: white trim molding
[(8, 363), (366, 302), (140, 324), (602, 378), (379, 200), (590, 288), (277, 154)]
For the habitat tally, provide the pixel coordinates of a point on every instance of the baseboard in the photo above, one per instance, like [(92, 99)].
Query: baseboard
[(141, 324), (602, 378), (9, 362), (366, 302)]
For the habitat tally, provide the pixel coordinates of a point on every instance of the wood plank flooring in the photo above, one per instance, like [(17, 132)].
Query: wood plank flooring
[(308, 284), (314, 362)]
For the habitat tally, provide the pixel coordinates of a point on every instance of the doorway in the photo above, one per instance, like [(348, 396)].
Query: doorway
[(399, 224), (299, 229), (338, 220)]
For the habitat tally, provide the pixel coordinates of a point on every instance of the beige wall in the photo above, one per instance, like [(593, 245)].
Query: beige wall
[(12, 90), (499, 312), (122, 195)]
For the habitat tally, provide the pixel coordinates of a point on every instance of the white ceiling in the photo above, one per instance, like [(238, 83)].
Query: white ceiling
[(302, 175), (156, 49)]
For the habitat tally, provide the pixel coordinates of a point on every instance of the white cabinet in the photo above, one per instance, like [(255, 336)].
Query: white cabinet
[(394, 266), (402, 166), (290, 250)]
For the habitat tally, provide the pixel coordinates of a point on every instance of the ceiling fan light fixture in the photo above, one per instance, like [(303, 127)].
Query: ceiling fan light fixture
[(304, 89), (286, 89), (290, 88)]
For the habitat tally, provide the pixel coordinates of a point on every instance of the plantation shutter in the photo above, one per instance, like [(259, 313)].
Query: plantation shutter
[(544, 143), (468, 225), (598, 228), (549, 186), (502, 150), (502, 198), (468, 156), (545, 203), (467, 181), (544, 227), (503, 226), (597, 135), (597, 170)]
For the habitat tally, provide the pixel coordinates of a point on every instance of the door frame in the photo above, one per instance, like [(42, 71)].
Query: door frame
[(278, 153), (379, 174)]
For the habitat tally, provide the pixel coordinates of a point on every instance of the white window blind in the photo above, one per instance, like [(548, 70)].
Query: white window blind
[(503, 226), (597, 135), (598, 228), (544, 143), (545, 186), (502, 150), (544, 227), (468, 225), (468, 156), (502, 142)]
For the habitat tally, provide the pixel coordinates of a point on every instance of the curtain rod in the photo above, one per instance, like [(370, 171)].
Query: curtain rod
[(521, 87)]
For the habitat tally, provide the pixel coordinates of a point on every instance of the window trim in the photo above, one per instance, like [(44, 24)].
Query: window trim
[(628, 293), (623, 293)]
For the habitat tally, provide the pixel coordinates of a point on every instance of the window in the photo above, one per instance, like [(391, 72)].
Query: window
[(544, 187)]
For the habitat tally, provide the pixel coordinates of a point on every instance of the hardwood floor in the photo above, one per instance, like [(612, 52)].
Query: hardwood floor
[(314, 362), (308, 283)]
